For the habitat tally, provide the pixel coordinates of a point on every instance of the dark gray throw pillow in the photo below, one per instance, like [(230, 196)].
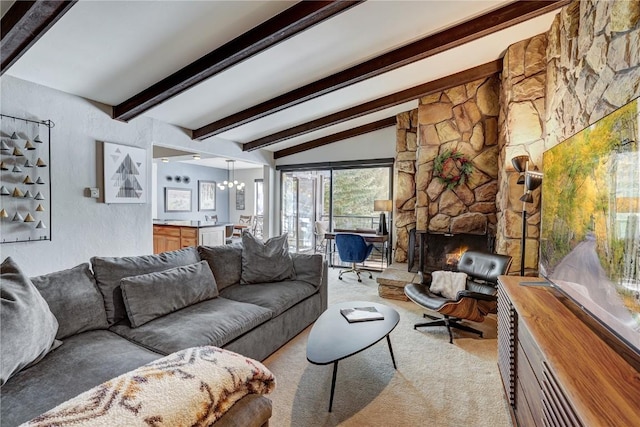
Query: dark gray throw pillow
[(266, 262), (27, 326), (108, 272), (149, 296), (74, 298), (225, 262)]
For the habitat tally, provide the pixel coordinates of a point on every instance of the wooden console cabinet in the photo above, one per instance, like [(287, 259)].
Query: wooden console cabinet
[(555, 369)]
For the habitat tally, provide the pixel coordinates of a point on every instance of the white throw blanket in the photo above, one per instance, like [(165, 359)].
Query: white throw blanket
[(448, 283), (192, 387)]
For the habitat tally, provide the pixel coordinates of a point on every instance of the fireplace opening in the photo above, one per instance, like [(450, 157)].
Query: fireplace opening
[(439, 251)]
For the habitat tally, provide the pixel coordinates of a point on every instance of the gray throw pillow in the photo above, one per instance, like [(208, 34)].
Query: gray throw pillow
[(225, 262), (108, 272), (73, 297), (27, 326), (149, 296), (266, 262)]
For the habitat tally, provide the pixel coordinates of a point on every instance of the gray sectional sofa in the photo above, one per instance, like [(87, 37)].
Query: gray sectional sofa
[(120, 313)]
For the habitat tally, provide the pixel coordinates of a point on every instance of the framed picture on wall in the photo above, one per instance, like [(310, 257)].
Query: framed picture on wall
[(125, 173), (177, 199), (240, 198), (206, 195)]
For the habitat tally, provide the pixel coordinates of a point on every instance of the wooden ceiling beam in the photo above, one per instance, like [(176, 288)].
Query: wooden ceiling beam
[(288, 23), (329, 139), (379, 104), (24, 23), (465, 32)]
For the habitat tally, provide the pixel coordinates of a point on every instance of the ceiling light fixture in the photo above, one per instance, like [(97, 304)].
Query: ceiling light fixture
[(231, 178)]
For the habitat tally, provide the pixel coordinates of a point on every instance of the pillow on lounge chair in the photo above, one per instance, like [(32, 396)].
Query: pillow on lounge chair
[(27, 326), (266, 262), (149, 296), (448, 283)]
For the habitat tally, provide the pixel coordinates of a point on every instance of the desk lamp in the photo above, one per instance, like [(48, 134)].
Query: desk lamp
[(382, 206)]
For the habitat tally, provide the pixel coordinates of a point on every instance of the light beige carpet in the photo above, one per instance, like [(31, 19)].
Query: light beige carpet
[(437, 384)]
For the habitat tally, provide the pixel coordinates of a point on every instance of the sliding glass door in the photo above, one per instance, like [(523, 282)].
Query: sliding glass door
[(333, 198), (302, 206)]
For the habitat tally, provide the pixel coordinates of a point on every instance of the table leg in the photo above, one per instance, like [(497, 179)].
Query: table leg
[(333, 383), (393, 359)]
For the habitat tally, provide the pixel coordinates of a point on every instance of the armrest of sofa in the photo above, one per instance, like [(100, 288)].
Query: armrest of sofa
[(308, 268), (314, 270)]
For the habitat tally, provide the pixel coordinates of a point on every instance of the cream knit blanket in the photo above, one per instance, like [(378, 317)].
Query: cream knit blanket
[(448, 283), (192, 387)]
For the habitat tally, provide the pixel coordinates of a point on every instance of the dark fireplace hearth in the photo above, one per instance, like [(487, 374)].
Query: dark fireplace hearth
[(437, 251)]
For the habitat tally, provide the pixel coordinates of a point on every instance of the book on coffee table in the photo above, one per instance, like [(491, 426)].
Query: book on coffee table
[(361, 314)]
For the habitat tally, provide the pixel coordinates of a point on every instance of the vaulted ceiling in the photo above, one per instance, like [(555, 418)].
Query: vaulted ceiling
[(273, 75)]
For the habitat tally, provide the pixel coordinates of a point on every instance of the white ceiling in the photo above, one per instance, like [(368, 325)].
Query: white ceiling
[(108, 51)]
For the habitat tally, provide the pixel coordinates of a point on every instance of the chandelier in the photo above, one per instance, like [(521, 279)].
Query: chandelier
[(231, 178)]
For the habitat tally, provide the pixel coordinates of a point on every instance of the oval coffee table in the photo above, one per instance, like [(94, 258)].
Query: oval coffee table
[(333, 338)]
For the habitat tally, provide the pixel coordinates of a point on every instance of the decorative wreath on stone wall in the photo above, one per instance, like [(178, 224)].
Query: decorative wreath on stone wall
[(452, 168)]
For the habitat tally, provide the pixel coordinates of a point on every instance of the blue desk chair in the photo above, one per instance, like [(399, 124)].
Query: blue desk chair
[(354, 249)]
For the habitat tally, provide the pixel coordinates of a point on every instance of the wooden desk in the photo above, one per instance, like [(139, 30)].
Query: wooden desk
[(368, 237)]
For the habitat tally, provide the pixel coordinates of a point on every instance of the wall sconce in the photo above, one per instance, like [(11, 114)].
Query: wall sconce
[(196, 157), (531, 180), (164, 160)]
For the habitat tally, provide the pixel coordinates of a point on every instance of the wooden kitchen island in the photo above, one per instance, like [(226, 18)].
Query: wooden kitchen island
[(173, 235)]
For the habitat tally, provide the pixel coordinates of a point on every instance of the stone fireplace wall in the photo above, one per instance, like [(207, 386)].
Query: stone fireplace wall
[(593, 64), (464, 118), (404, 181), (522, 112)]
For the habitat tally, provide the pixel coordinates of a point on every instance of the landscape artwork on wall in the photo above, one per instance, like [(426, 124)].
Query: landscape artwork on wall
[(590, 231), (177, 200), (125, 174)]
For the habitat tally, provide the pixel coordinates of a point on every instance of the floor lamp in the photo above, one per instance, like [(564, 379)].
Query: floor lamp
[(531, 181)]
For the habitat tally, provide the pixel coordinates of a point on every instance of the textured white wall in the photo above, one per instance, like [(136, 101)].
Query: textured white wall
[(374, 145), (82, 227)]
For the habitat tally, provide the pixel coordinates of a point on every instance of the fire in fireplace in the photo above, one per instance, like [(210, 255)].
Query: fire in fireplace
[(438, 251)]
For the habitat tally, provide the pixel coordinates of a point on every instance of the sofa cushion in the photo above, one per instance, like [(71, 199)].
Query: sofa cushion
[(213, 322), (276, 296), (83, 361), (27, 326), (108, 272), (309, 268), (225, 262), (149, 296), (74, 298), (264, 262)]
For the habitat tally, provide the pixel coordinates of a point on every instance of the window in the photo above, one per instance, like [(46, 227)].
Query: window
[(259, 197)]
